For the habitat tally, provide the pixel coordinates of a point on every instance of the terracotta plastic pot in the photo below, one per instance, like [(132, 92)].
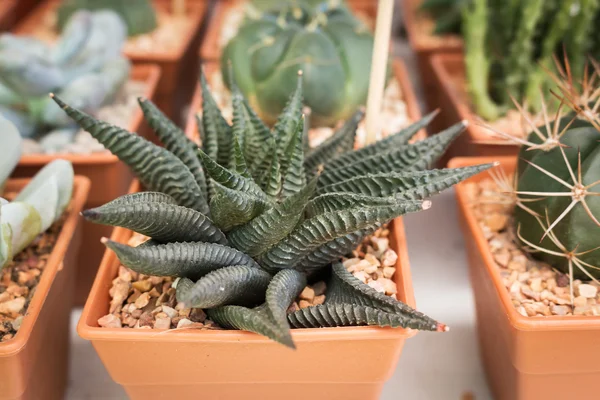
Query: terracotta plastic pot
[(525, 358), (350, 363), (449, 75), (211, 47), (34, 364), (7, 14), (400, 73), (425, 44), (111, 179), (179, 65)]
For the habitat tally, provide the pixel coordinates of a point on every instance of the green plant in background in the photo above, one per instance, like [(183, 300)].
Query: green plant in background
[(139, 15), (509, 43), (245, 241), (38, 205), (10, 143), (326, 41), (85, 66), (446, 13)]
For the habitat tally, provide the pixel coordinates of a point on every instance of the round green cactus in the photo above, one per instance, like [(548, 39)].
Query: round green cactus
[(326, 42), (139, 15), (557, 193)]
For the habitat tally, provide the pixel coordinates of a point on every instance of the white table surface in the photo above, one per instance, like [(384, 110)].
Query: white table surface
[(433, 366)]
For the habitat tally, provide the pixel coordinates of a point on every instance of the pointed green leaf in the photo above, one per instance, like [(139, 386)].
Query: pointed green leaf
[(339, 143), (415, 157), (283, 290), (252, 320), (237, 162), (143, 197), (174, 140), (263, 160), (416, 185), (341, 201), (285, 127), (323, 228), (230, 208), (162, 222), (217, 140), (157, 168), (272, 182), (391, 142), (269, 228), (294, 178), (189, 260), (236, 284)]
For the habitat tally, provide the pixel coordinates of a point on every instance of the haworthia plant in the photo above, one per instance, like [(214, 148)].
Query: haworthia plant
[(268, 224), (35, 209)]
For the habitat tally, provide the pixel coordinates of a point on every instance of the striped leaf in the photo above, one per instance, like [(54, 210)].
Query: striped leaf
[(266, 230), (293, 167), (285, 127), (217, 140), (391, 142), (416, 185), (415, 157), (157, 168), (255, 320), (323, 228), (272, 181), (230, 208), (174, 140), (237, 162), (142, 197), (188, 260), (283, 290), (162, 222), (339, 143), (236, 284), (341, 201)]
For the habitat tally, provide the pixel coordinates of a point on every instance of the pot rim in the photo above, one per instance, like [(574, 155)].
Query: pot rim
[(88, 329), (150, 74), (518, 321), (81, 187)]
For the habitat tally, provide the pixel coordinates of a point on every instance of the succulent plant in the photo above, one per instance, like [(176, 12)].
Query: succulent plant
[(10, 143), (268, 216), (35, 209), (326, 41), (139, 15), (446, 13), (85, 66), (508, 46)]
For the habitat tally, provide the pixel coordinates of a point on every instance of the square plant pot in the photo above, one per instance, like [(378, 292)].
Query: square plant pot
[(425, 44), (212, 46), (34, 363), (110, 177), (349, 363), (450, 81), (525, 358), (400, 74), (179, 63)]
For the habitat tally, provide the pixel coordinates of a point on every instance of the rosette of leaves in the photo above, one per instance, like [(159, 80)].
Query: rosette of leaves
[(251, 217), (85, 66), (326, 41), (138, 15)]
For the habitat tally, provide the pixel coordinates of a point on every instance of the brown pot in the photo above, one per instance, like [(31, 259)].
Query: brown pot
[(400, 73), (449, 75), (211, 47), (425, 44), (179, 65), (7, 14), (34, 364), (525, 358), (350, 363), (111, 179)]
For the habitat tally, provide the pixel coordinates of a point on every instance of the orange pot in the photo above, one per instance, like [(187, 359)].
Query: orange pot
[(34, 364), (111, 179), (211, 47), (449, 75), (400, 73), (425, 44), (7, 14), (349, 363), (525, 358), (179, 65)]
